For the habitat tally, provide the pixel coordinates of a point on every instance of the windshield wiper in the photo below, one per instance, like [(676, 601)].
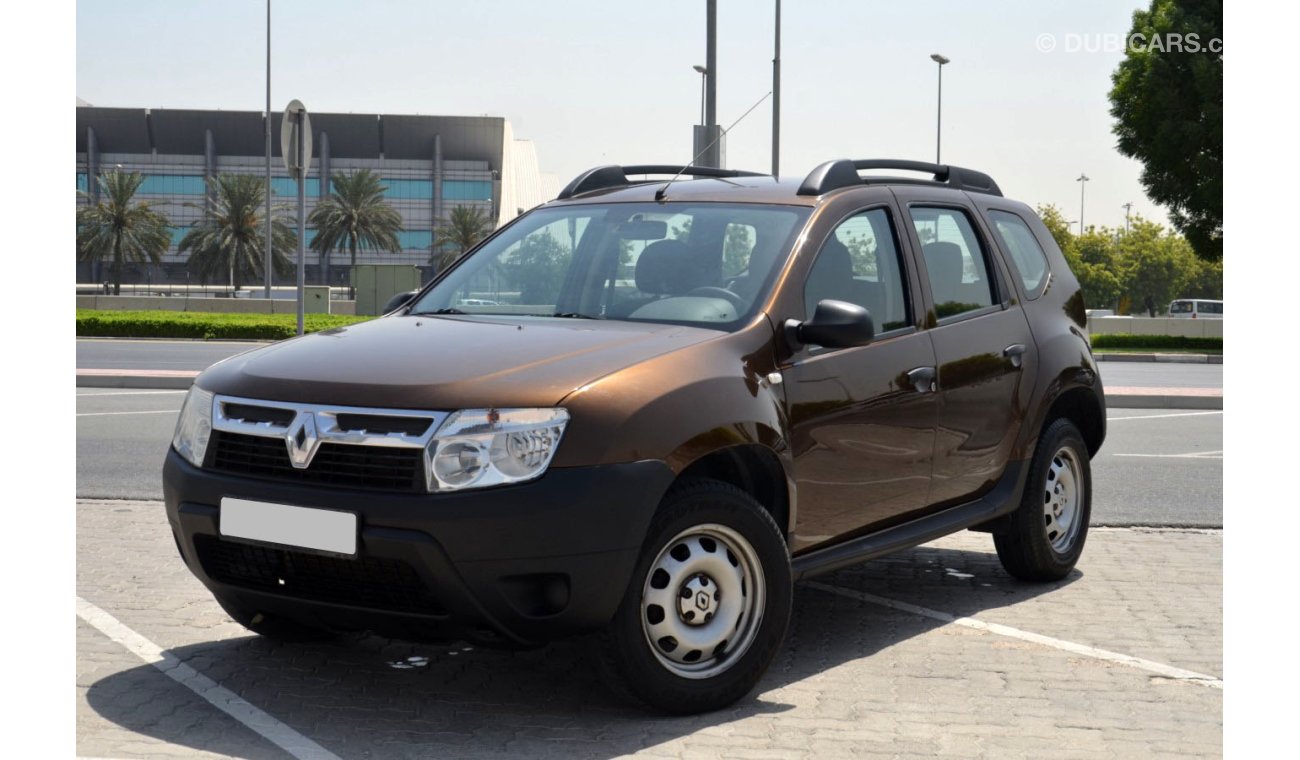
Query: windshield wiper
[(575, 315), (447, 310)]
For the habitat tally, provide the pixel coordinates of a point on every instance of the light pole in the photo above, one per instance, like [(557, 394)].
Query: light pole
[(704, 83), (938, 126), (1128, 210), (776, 94), (1083, 183), (267, 254)]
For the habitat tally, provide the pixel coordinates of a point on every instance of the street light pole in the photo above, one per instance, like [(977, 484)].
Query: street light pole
[(776, 95), (1083, 183), (267, 254), (938, 125), (1128, 210)]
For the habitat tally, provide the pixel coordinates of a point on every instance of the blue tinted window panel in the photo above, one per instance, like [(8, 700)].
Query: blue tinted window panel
[(409, 239), (466, 190), (172, 184), (288, 187), (408, 189), (81, 183)]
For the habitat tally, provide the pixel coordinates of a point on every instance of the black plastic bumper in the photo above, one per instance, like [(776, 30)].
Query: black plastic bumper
[(512, 565)]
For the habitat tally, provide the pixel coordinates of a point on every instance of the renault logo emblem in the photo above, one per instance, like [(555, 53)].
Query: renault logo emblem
[(702, 600), (301, 440)]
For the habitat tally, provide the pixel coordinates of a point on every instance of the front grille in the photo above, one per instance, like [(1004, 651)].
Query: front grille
[(381, 584), (335, 464)]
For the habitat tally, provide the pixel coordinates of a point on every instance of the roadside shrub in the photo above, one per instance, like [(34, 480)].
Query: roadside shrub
[(201, 325), (1156, 342)]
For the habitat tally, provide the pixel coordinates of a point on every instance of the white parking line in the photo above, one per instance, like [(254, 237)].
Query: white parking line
[(126, 393), (220, 697), (1162, 416), (148, 411), (1193, 455), (1168, 671)]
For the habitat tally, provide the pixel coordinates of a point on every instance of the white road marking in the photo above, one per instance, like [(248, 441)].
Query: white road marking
[(1168, 671), (126, 393), (149, 411), (1162, 416), (1193, 455), (220, 697)]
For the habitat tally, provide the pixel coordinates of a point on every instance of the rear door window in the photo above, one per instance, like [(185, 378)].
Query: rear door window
[(955, 260)]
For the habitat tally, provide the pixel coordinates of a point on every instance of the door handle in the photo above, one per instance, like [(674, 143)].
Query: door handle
[(923, 379), (1015, 352)]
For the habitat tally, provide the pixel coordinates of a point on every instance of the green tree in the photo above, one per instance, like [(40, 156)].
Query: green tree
[(1057, 225), (229, 241), (1092, 257), (537, 268), (1204, 281), (1168, 107), (466, 227), (119, 229), (1157, 265), (355, 217)]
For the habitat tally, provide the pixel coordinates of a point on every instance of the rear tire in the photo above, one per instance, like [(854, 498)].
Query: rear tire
[(271, 626), (1045, 534), (708, 604)]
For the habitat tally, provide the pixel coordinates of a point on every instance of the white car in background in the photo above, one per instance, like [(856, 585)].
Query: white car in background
[(1196, 308)]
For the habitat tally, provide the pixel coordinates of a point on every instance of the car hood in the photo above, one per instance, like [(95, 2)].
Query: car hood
[(445, 362)]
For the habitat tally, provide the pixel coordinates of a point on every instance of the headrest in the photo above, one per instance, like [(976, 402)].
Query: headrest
[(664, 268), (835, 260), (944, 262)]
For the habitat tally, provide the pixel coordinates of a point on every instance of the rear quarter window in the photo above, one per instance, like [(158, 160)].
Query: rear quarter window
[(1022, 247)]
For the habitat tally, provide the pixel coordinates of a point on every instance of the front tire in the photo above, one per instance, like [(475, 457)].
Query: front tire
[(708, 604), (1045, 534)]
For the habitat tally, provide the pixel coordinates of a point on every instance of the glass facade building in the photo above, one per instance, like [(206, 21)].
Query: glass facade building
[(429, 165)]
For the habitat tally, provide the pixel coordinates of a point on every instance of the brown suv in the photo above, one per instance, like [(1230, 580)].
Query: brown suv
[(644, 410)]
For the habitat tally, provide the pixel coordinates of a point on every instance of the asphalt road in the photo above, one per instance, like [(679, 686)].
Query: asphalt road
[(198, 355), (1160, 375), (156, 354), (1158, 467)]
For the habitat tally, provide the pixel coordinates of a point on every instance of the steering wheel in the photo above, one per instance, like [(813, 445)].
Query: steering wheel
[(716, 292)]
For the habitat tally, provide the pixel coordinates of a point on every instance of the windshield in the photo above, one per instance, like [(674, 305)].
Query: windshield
[(701, 264)]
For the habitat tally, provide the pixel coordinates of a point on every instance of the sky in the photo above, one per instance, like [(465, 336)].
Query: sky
[(610, 81)]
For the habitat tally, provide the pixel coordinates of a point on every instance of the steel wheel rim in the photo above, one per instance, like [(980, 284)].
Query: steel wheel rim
[(703, 634), (1063, 494)]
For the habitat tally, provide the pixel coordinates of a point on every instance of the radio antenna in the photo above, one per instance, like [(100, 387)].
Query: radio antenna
[(662, 192)]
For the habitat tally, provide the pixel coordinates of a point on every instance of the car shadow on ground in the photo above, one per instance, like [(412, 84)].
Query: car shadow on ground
[(375, 697)]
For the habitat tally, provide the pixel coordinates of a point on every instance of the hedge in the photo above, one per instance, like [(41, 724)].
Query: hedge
[(1155, 342), (190, 324)]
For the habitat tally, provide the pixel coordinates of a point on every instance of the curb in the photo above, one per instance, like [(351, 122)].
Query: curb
[(136, 378), (1164, 398), (1161, 358)]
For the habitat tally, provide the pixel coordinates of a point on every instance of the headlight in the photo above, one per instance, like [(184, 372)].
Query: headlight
[(475, 448), (194, 428)]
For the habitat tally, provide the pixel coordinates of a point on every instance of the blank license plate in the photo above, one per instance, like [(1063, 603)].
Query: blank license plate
[(320, 529)]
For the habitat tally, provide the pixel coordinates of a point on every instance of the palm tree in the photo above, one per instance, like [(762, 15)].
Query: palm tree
[(465, 229), (230, 239), (120, 230), (354, 217)]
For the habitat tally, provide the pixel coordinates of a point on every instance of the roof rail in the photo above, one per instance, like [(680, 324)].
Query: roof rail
[(603, 177), (833, 175)]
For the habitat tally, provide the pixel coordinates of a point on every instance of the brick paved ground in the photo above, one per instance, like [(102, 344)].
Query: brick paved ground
[(855, 679)]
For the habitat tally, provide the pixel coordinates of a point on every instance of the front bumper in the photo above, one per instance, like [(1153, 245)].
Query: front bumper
[(514, 565)]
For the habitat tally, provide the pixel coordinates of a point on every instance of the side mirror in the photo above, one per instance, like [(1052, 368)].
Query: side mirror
[(835, 324), (398, 301)]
